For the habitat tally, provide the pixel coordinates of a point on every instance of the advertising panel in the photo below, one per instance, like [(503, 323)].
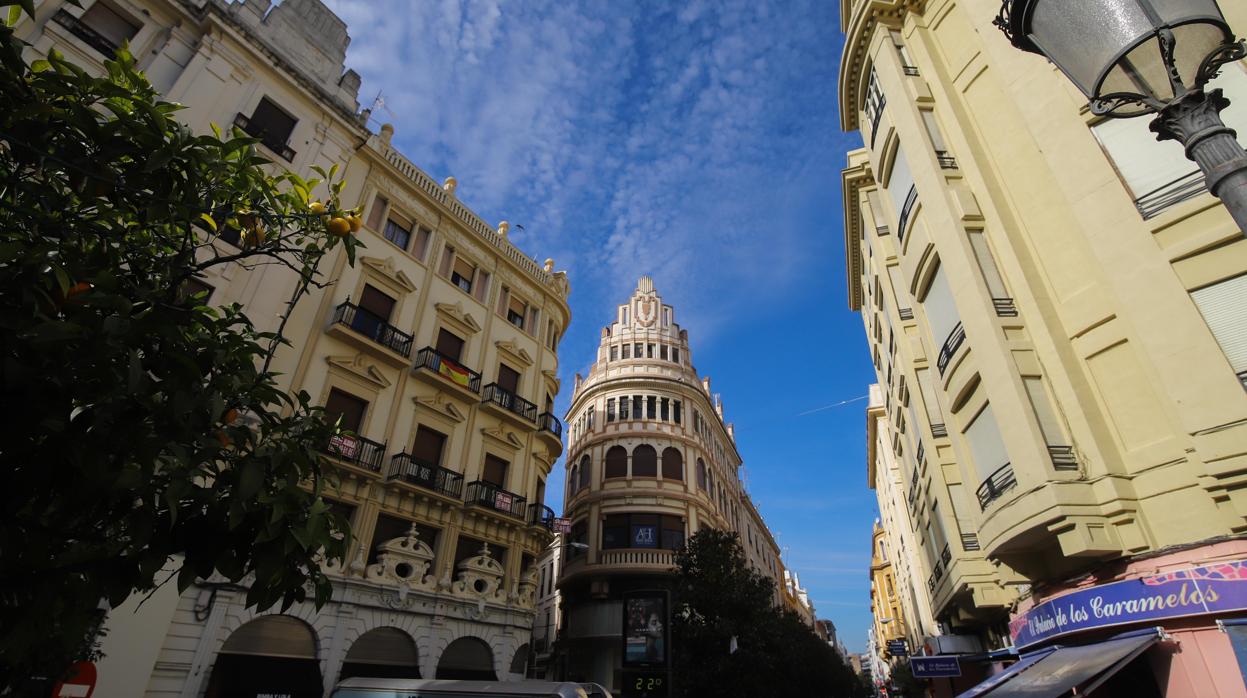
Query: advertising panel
[(645, 629)]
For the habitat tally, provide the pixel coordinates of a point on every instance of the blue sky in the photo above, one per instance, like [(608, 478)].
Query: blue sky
[(696, 142)]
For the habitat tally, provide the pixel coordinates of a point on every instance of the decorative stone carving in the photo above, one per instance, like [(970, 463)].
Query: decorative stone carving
[(360, 367), (404, 561), (514, 352), (528, 587), (457, 316), (386, 269), (450, 185), (480, 577)]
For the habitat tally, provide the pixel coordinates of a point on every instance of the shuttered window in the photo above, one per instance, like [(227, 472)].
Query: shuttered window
[(1049, 425), (508, 378), (347, 407), (986, 446), (108, 23), (376, 303), (398, 233), (481, 286), (1224, 307), (376, 216), (495, 470), (644, 461), (939, 307), (462, 274), (515, 311), (987, 265), (900, 182), (428, 446), (422, 243), (449, 345), (616, 462)]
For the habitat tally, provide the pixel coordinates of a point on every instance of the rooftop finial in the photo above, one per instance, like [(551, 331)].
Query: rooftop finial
[(645, 285)]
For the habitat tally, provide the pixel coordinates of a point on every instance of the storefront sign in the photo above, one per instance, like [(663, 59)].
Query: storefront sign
[(502, 501), (897, 648), (1215, 588), (562, 525), (935, 667), (345, 446), (80, 682)]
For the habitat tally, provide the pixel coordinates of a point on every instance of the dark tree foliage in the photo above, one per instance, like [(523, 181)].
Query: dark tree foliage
[(141, 426), (717, 597)]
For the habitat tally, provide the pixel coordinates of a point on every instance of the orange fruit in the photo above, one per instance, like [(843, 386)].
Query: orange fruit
[(317, 208), (356, 223), (223, 438), (253, 237), (231, 415), (338, 226), (76, 290)]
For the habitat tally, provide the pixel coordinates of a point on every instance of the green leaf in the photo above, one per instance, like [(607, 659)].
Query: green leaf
[(208, 221), (250, 478)]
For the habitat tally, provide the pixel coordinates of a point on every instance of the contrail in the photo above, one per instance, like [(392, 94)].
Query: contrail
[(827, 407)]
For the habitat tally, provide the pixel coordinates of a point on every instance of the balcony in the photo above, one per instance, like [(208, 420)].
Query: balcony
[(653, 557), (1004, 307), (938, 430), (1185, 187), (269, 140), (969, 542), (405, 468), (911, 199), (937, 573), (549, 423), (509, 402), (906, 313), (448, 369), (995, 486), (541, 515), (373, 328), (358, 451), (491, 496), (946, 161), (1063, 458), (946, 556), (89, 36), (910, 70), (949, 350)]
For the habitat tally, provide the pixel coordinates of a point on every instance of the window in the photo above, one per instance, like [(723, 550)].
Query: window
[(397, 233), (987, 266), (614, 353), (462, 273), (610, 409), (623, 407), (666, 317), (638, 350), (623, 315), (649, 351), (651, 407), (390, 527), (676, 409), (1157, 174), (495, 470), (110, 30), (616, 462), (376, 215), (672, 464), (196, 290), (662, 352), (271, 124), (986, 445), (900, 185), (449, 345), (907, 63), (642, 531), (508, 379), (372, 313), (423, 236), (701, 475), (1049, 425), (942, 156), (675, 355), (428, 447), (579, 534), (471, 547), (585, 473), (627, 351), (1224, 307), (875, 101), (516, 310), (346, 409), (935, 416), (644, 461), (664, 413), (940, 310)]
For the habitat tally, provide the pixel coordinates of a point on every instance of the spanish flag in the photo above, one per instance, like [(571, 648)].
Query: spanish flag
[(455, 373)]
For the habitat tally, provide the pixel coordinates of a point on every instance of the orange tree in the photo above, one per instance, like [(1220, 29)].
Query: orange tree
[(143, 430)]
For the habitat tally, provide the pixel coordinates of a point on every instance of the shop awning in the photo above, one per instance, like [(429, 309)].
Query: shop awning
[(1054, 672)]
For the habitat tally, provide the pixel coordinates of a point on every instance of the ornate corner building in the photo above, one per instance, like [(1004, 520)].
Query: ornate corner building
[(437, 350), (650, 461), (1055, 311)]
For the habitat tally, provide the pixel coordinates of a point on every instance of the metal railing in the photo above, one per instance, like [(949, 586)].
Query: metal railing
[(541, 515), (1187, 186), (937, 573), (487, 494), (969, 542), (874, 120), (269, 140), (938, 430), (951, 345), (509, 401), (913, 488), (911, 70), (1063, 458), (550, 423), (910, 200), (373, 327), (365, 453), (922, 455), (83, 31), (448, 368), (946, 556), (946, 161), (406, 468), (906, 313), (1004, 307), (996, 485)]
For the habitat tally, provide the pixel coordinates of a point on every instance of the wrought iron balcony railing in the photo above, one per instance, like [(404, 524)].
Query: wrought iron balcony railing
[(969, 542), (541, 515), (508, 400), (911, 199), (365, 453), (907, 313), (487, 494), (406, 468), (269, 140), (373, 327), (448, 368), (946, 556), (1187, 186), (1005, 307), (946, 161), (951, 345), (938, 430), (550, 423), (1063, 458), (996, 485), (911, 70), (83, 31)]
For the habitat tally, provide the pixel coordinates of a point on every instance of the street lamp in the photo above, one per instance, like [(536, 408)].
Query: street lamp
[(1136, 57)]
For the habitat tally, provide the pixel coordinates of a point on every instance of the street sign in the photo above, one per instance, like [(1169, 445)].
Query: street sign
[(935, 667), (897, 648), (80, 684)]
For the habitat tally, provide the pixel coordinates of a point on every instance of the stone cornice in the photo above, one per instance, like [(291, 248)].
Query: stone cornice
[(866, 16), (853, 179)]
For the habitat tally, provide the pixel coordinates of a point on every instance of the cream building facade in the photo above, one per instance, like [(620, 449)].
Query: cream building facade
[(438, 349), (888, 620), (884, 476), (650, 462), (1055, 311)]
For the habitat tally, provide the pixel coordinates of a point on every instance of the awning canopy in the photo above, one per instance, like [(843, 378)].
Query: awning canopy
[(1053, 672)]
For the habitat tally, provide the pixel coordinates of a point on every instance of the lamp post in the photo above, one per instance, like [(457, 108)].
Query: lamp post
[(1137, 57)]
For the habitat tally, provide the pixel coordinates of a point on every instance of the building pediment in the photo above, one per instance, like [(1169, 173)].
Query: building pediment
[(387, 270), (439, 404), (359, 366), (454, 315), (514, 351), (503, 436)]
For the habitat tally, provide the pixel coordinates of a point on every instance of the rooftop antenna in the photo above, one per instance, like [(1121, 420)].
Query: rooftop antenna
[(378, 102)]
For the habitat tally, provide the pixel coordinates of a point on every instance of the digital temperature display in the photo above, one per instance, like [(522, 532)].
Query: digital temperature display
[(645, 684)]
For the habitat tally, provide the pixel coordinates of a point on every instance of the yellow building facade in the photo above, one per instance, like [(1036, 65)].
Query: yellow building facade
[(1055, 312), (437, 350), (886, 610)]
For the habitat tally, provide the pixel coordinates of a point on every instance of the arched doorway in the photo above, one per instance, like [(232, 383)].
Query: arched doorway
[(520, 661), (383, 653), (271, 655), (468, 659)]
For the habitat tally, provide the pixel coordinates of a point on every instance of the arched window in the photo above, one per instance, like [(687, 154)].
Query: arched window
[(672, 464), (573, 479), (701, 474), (467, 659), (644, 461), (616, 462), (586, 475)]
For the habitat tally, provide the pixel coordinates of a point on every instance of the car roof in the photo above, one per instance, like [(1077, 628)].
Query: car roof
[(513, 688)]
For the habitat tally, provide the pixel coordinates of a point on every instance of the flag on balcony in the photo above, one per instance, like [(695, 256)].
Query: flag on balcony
[(455, 373)]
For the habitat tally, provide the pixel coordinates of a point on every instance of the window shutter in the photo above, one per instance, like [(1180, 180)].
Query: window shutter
[(107, 22), (376, 216), (940, 309), (1049, 425), (495, 471), (423, 235), (508, 378), (481, 292), (899, 182), (347, 407), (428, 446), (533, 317), (376, 303), (986, 446), (448, 258), (448, 344), (1224, 307), (504, 300)]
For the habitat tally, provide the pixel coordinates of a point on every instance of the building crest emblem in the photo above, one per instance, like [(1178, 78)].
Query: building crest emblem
[(646, 312)]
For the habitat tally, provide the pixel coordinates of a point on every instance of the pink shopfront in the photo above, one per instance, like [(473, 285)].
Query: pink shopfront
[(1172, 625)]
